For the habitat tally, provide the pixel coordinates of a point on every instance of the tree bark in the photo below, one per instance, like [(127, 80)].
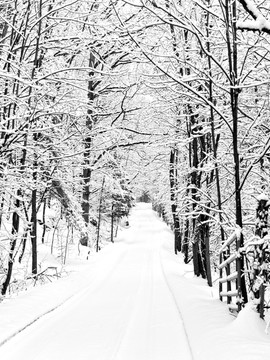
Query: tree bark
[(14, 233), (88, 142), (99, 214), (112, 223), (173, 194), (234, 94)]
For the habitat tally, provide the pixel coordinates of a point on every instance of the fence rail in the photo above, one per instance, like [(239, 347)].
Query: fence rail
[(230, 272)]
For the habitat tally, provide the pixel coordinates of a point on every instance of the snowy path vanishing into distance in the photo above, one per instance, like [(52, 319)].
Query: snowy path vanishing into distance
[(138, 302)]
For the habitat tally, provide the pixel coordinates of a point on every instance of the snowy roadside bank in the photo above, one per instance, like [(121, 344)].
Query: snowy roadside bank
[(20, 311), (212, 331)]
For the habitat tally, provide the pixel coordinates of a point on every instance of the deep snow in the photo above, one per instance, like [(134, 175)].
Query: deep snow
[(133, 300)]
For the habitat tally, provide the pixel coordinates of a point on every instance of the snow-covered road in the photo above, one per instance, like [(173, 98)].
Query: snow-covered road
[(127, 312), (133, 300)]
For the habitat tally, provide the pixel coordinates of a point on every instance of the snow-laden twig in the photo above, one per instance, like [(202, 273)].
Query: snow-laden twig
[(259, 22)]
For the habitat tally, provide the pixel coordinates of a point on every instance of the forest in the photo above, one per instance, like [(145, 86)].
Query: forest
[(105, 103)]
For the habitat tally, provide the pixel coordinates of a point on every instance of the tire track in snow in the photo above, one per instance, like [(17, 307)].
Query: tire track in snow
[(79, 294), (35, 320), (145, 323), (131, 316), (176, 305)]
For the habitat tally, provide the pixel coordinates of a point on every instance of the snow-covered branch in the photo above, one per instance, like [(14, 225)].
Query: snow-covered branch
[(259, 22)]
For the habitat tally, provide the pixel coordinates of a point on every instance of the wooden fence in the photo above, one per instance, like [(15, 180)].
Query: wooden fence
[(256, 252), (257, 271), (230, 273)]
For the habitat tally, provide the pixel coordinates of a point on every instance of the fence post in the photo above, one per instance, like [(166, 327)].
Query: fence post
[(238, 269), (235, 258)]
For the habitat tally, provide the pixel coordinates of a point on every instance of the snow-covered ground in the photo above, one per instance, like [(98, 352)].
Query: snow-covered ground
[(133, 300)]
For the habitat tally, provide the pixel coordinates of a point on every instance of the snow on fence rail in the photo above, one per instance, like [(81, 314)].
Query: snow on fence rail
[(230, 272), (251, 259)]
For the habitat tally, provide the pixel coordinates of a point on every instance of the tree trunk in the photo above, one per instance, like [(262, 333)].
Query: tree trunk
[(14, 233), (33, 230), (173, 192), (112, 222), (234, 94), (185, 246), (24, 239), (88, 143), (99, 214), (43, 221)]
